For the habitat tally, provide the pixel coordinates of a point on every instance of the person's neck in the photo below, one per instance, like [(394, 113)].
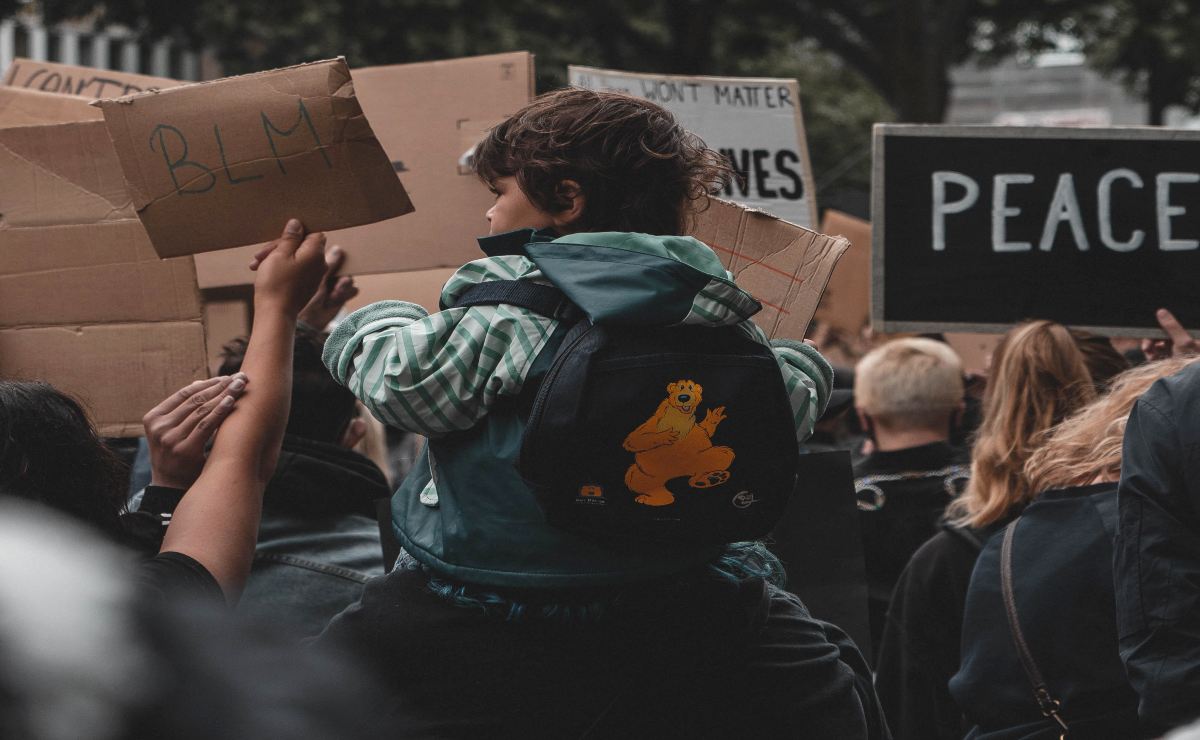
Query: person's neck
[(891, 440)]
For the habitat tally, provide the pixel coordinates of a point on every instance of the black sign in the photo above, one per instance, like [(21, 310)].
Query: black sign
[(978, 228)]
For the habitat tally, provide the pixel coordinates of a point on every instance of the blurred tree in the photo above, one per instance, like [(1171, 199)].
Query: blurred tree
[(904, 48), (1151, 46)]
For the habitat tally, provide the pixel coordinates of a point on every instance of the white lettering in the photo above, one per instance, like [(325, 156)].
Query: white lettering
[(1162, 197), (1002, 212), (1104, 207), (1064, 207), (941, 207)]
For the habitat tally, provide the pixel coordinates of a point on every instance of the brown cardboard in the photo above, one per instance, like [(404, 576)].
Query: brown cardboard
[(975, 350), (847, 301), (426, 115), (85, 303), (21, 107), (84, 82), (227, 315), (226, 163), (784, 266)]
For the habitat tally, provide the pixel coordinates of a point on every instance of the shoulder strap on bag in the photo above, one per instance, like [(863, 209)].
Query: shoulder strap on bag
[(1045, 700), (546, 300)]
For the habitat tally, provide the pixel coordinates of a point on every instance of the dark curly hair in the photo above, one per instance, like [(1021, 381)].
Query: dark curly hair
[(638, 168), (50, 453)]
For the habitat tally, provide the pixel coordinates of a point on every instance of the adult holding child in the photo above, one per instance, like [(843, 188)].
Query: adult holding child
[(497, 621), (1038, 377)]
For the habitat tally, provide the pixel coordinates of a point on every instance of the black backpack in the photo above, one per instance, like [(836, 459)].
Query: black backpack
[(681, 434)]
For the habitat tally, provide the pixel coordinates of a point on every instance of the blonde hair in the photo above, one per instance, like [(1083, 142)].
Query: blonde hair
[(1088, 444), (1038, 378), (911, 383)]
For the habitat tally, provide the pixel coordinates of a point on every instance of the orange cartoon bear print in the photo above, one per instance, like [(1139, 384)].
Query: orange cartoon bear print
[(672, 444)]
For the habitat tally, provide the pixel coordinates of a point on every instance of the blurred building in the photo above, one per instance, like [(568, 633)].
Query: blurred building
[(81, 42), (1055, 89)]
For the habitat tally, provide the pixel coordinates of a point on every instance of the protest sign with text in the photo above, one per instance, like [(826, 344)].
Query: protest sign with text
[(426, 115), (82, 82), (755, 122), (222, 164), (977, 228)]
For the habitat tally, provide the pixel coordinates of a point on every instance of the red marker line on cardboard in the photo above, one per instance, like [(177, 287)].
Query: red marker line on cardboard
[(762, 264)]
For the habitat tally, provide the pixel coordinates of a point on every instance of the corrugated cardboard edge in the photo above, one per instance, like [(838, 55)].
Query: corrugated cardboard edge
[(127, 99)]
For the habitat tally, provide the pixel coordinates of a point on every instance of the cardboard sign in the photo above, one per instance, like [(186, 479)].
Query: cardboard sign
[(819, 542), (755, 122), (977, 228), (975, 350), (226, 163), (426, 116), (85, 303), (83, 82), (784, 266), (20, 107), (847, 301)]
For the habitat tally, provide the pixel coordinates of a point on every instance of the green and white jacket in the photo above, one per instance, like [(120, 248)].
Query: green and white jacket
[(454, 376)]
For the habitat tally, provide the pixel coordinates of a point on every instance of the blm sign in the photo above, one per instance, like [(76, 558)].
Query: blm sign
[(978, 228), (755, 122)]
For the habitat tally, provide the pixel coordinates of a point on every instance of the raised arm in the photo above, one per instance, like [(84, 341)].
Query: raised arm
[(216, 522)]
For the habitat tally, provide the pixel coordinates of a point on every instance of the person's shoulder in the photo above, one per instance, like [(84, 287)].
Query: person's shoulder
[(952, 548), (1176, 395)]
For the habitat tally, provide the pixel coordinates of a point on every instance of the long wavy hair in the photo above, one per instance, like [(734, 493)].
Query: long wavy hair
[(1087, 445), (1038, 378)]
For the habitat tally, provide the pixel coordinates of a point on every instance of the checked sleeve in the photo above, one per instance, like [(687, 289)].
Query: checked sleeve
[(434, 373)]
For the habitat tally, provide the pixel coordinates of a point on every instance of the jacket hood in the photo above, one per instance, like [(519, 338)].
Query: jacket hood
[(630, 278), (316, 479)]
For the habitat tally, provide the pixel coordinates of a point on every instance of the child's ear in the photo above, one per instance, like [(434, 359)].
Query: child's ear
[(570, 194)]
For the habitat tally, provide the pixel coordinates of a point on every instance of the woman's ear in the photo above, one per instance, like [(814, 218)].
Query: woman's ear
[(570, 194)]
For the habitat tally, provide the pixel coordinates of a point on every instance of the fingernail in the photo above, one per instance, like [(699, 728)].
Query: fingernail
[(335, 251), (294, 227), (241, 375), (237, 385), (227, 401), (1162, 312)]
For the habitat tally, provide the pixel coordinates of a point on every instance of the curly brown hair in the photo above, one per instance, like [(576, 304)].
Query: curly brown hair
[(639, 170)]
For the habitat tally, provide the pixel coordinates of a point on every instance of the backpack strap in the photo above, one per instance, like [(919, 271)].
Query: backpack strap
[(1045, 700), (546, 300)]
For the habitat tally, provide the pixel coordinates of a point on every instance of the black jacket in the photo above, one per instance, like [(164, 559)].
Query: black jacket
[(902, 495), (920, 648), (700, 657), (1157, 559), (1063, 593)]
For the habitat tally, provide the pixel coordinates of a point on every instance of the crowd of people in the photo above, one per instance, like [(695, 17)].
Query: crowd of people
[(1031, 539)]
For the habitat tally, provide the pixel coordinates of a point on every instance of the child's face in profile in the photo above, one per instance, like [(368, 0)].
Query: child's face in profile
[(513, 209)]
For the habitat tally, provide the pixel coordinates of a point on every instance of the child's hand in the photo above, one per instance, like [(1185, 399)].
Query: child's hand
[(290, 270), (332, 293)]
